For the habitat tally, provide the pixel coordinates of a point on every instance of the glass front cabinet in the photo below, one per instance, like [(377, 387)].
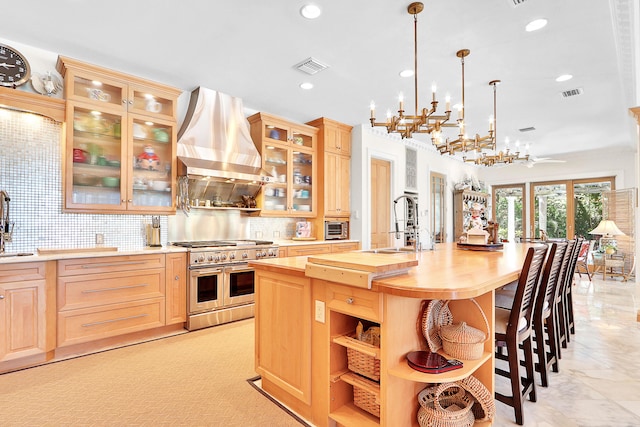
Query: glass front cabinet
[(121, 141), (288, 153)]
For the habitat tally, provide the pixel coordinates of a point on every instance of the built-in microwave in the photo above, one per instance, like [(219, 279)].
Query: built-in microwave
[(336, 230)]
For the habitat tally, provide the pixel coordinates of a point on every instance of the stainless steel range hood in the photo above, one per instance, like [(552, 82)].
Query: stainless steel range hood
[(215, 141)]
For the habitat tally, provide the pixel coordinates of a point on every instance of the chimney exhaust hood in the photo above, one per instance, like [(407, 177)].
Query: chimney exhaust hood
[(215, 141)]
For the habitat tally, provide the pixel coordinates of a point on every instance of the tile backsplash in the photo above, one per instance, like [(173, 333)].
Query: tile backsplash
[(31, 174)]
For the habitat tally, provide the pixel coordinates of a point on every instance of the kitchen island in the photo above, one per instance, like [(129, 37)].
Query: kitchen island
[(303, 326)]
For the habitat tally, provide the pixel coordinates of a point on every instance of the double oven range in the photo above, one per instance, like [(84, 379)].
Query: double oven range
[(221, 285)]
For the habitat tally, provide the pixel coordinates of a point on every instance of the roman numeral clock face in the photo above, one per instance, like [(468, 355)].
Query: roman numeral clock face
[(14, 68)]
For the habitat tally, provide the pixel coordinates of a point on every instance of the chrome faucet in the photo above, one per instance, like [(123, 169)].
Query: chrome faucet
[(410, 229), (5, 227)]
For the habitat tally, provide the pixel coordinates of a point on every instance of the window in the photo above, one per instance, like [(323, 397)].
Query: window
[(564, 209), (509, 212), (438, 184)]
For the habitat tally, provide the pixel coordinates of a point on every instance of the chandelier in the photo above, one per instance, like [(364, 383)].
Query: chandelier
[(463, 143), (505, 156), (424, 120)]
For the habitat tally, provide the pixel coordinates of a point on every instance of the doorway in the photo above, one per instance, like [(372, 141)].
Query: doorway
[(380, 203)]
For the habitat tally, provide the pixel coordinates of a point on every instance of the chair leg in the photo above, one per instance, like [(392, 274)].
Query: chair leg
[(528, 382), (515, 400), (572, 329), (552, 357), (541, 352)]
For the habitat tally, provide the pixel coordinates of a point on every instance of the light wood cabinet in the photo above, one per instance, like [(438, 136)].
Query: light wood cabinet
[(288, 152), (462, 201), (176, 288), (121, 141), (108, 296), (27, 313), (334, 172), (310, 249), (283, 335), (345, 247)]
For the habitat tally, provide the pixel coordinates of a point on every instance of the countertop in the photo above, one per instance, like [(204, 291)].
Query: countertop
[(289, 242), (83, 254), (445, 273)]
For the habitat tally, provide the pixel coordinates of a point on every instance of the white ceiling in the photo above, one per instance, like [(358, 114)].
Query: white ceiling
[(249, 48)]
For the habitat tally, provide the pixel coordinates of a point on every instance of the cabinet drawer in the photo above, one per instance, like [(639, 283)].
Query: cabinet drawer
[(83, 266), (345, 247), (109, 288), (308, 250), (355, 302), (22, 271), (89, 324)]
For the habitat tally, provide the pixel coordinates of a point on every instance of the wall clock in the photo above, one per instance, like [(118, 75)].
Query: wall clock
[(14, 67)]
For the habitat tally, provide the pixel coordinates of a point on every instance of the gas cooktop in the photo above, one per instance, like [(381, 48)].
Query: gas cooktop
[(221, 243)]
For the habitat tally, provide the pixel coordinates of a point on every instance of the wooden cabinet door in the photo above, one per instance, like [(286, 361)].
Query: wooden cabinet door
[(337, 181), (283, 332), (22, 319), (176, 288)]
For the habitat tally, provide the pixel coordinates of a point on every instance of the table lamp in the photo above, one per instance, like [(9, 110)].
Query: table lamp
[(607, 229)]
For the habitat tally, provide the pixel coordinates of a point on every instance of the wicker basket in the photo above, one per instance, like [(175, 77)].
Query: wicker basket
[(366, 393), (484, 406), (361, 357), (462, 341), (445, 405), (434, 317)]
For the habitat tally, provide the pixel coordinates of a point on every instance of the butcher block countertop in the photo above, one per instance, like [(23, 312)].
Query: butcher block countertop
[(445, 273)]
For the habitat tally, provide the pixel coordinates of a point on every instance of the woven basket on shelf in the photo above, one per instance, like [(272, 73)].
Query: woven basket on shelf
[(366, 393), (436, 315), (462, 341), (361, 356), (484, 406), (445, 405)]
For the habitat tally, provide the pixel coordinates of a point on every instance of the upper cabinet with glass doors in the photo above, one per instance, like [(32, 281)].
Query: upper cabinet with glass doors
[(121, 141), (288, 152)]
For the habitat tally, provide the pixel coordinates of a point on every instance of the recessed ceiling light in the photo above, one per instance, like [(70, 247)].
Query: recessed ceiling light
[(310, 11), (406, 73), (306, 85), (564, 78), (536, 24)]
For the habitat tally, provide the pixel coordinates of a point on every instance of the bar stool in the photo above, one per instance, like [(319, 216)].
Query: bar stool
[(564, 299), (544, 315), (513, 328)]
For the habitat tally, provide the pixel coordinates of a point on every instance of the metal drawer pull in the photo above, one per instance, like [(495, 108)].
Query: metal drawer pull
[(86, 325), (350, 301), (90, 291), (113, 264)]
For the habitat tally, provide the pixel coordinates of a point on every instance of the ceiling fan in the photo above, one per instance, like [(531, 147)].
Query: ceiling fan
[(535, 160)]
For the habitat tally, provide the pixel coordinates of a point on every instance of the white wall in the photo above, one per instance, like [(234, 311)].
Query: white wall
[(370, 143)]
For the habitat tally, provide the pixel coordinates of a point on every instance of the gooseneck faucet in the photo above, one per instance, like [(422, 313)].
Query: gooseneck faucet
[(5, 228), (410, 229)]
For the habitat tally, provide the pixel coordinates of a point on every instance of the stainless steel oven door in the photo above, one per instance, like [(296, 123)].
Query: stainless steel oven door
[(206, 289), (240, 285)]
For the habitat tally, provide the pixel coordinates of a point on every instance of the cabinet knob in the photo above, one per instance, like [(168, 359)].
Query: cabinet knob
[(349, 300), (129, 201), (130, 102), (177, 278), (1, 296)]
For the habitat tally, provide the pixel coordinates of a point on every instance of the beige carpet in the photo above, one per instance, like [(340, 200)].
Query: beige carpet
[(194, 379)]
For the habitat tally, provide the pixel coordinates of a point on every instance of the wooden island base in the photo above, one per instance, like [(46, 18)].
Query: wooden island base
[(301, 325)]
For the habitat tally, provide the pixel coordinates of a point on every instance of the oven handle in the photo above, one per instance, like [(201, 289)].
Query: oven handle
[(205, 271), (238, 268)]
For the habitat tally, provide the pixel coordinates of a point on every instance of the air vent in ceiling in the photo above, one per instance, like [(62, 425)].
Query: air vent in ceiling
[(311, 66), (572, 92), (528, 129), (516, 3)]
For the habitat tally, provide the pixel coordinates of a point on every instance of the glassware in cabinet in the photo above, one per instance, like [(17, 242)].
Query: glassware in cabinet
[(95, 158), (276, 162)]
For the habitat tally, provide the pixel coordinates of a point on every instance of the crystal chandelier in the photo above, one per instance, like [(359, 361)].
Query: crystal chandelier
[(424, 120), (463, 143)]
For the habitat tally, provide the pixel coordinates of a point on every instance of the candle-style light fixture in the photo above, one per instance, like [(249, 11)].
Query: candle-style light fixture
[(505, 156), (424, 120), (463, 143)]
